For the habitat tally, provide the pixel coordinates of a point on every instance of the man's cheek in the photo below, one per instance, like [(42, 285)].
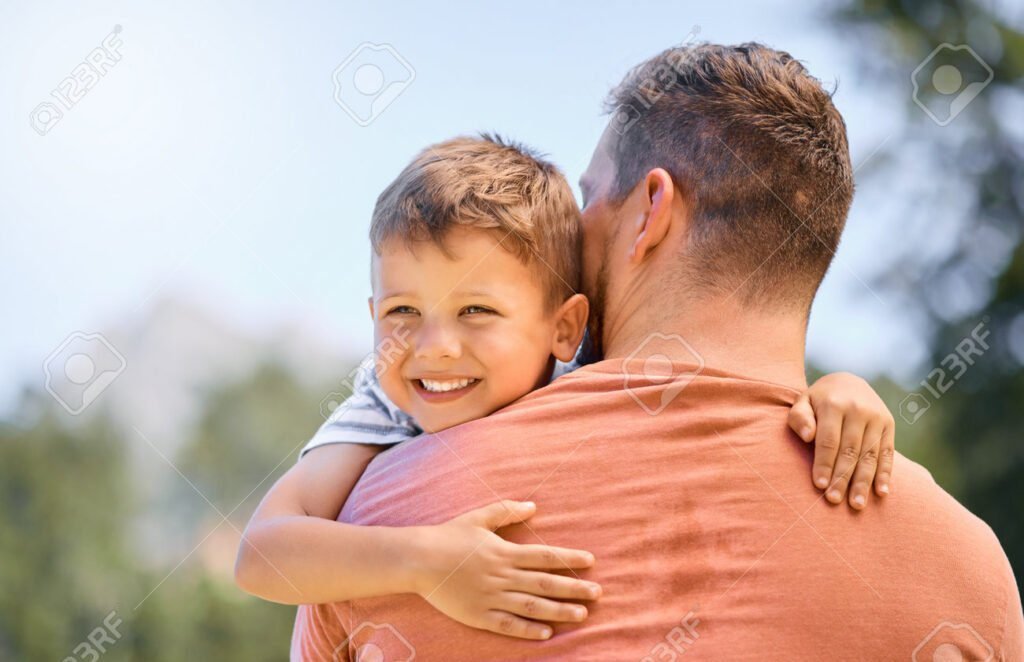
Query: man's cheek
[(591, 242)]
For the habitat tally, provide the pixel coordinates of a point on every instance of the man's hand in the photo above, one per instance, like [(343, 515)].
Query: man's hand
[(476, 577), (854, 437)]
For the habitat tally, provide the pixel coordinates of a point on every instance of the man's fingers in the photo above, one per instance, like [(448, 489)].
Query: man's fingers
[(826, 445), (555, 586), (542, 609), (801, 418), (501, 513), (543, 557), (511, 625), (850, 443), (864, 473), (886, 452)]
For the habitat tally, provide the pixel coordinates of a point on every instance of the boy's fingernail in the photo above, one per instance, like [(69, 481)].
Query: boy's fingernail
[(528, 504), (545, 634), (821, 482), (805, 432), (834, 496), (884, 489), (858, 501)]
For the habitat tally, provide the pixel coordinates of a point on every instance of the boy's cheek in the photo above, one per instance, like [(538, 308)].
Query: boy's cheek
[(391, 342), (384, 328), (391, 348), (393, 385)]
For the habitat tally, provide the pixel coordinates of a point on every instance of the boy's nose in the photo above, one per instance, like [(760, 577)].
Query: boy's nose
[(436, 341)]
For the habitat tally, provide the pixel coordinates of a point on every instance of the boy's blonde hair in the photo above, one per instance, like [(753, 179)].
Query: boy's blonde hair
[(489, 184)]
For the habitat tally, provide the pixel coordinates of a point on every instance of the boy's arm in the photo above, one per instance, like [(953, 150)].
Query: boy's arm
[(286, 554), (290, 554), (294, 552), (854, 435)]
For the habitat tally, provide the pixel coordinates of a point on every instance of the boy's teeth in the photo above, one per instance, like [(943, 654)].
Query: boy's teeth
[(437, 386)]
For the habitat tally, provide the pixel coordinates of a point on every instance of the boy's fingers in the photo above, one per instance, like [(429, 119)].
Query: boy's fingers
[(542, 609), (511, 625), (826, 445), (846, 460), (883, 478), (555, 586), (801, 418), (864, 473), (543, 557), (501, 513)]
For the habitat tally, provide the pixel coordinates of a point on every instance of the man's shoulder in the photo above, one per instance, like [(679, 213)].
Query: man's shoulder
[(979, 574), (598, 398), (946, 542), (915, 492)]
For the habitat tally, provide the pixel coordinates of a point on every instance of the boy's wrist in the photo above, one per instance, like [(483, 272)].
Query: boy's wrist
[(414, 569)]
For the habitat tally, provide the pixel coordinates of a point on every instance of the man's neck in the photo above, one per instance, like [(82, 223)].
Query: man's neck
[(725, 334)]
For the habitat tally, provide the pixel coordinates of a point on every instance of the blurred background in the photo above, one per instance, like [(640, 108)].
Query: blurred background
[(184, 196)]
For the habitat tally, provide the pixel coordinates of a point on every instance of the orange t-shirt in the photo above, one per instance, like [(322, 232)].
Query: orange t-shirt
[(710, 540)]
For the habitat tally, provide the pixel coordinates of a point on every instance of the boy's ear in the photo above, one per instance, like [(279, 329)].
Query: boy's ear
[(570, 323), (369, 301)]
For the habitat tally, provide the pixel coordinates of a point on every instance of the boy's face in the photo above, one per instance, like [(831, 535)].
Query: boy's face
[(467, 332)]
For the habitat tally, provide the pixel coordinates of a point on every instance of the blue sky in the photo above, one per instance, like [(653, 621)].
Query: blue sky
[(212, 161)]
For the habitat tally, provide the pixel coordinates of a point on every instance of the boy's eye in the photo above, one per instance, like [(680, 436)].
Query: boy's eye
[(476, 310), (403, 310)]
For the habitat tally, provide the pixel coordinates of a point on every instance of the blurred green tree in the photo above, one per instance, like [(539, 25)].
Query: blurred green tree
[(249, 433), (67, 498), (969, 435), (64, 499)]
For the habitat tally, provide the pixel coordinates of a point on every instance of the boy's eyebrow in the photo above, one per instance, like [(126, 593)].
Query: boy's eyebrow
[(392, 295), (458, 293), (473, 293)]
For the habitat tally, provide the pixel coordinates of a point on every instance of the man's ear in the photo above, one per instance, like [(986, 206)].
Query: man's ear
[(570, 323), (651, 228)]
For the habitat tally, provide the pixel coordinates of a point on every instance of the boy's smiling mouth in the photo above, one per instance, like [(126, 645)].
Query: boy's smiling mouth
[(444, 390)]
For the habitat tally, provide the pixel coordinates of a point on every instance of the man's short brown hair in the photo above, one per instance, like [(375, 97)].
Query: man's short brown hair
[(490, 184), (759, 150)]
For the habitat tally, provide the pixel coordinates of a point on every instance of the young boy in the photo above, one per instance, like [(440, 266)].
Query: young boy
[(475, 267)]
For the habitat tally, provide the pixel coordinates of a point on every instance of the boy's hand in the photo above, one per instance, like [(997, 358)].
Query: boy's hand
[(854, 437), (476, 577)]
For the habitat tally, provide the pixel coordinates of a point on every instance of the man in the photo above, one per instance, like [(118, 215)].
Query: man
[(712, 207)]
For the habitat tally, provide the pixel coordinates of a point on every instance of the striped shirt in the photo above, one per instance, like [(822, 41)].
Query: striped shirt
[(369, 417)]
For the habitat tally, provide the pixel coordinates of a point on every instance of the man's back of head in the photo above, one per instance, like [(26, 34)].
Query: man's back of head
[(714, 202), (758, 149)]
